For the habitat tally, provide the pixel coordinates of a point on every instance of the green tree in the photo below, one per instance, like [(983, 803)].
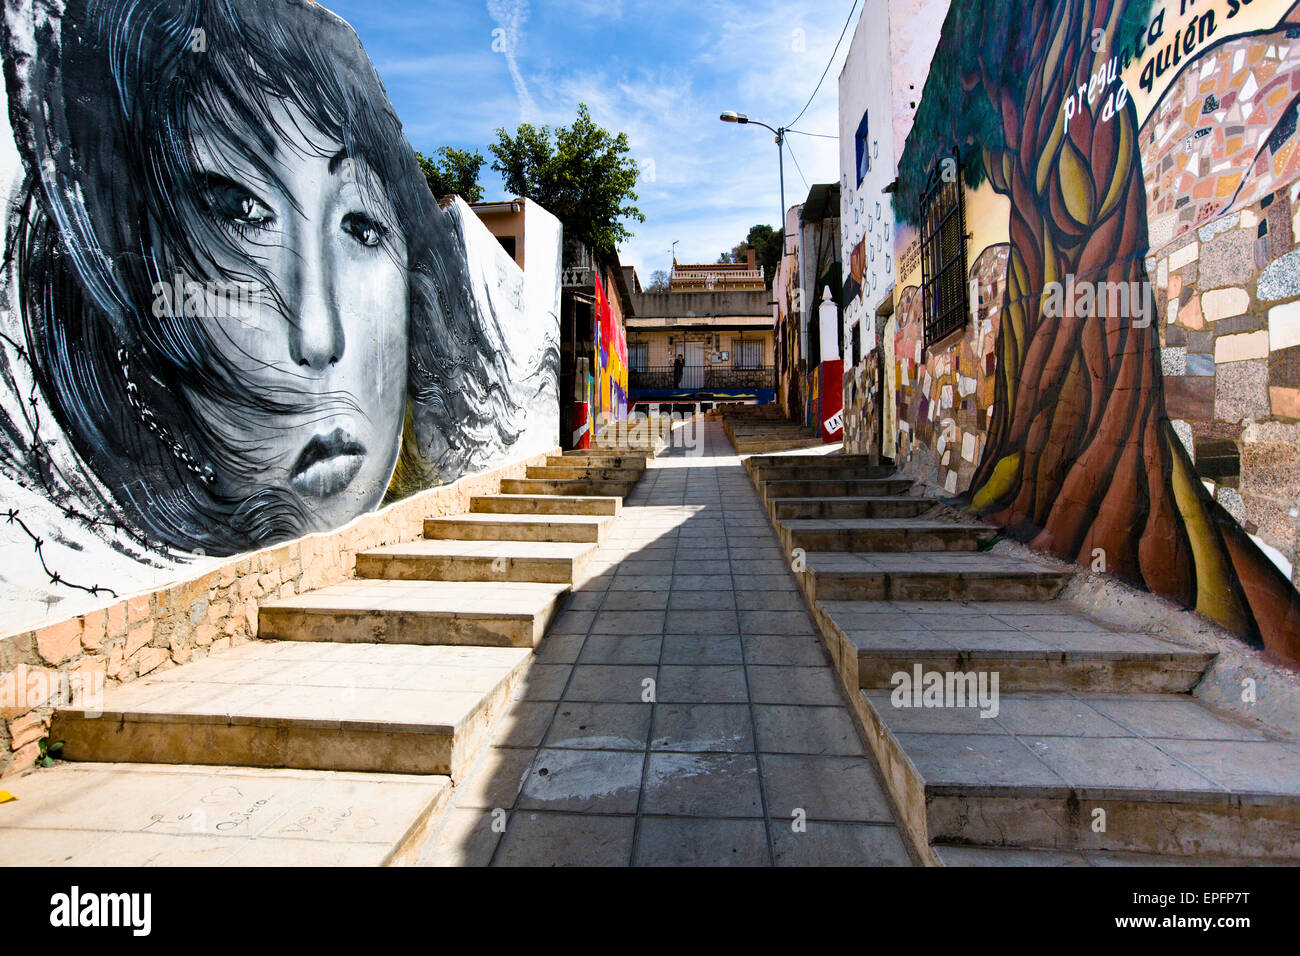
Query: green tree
[(766, 243), (454, 172), (580, 173), (1081, 457)]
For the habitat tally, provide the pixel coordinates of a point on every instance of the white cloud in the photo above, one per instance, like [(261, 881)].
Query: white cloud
[(659, 70)]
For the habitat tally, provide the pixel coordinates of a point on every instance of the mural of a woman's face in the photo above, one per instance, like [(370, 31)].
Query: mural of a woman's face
[(326, 329)]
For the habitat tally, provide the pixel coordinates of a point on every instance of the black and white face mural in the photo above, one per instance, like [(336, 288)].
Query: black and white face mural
[(234, 313)]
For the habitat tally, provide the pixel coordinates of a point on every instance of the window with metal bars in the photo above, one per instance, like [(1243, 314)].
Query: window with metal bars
[(943, 250), (637, 355), (749, 354)]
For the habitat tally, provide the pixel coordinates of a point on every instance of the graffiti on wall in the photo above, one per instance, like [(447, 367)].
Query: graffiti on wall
[(611, 361), (1149, 149), (233, 313)]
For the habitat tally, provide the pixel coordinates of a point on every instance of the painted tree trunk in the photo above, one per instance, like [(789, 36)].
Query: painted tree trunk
[(1082, 461)]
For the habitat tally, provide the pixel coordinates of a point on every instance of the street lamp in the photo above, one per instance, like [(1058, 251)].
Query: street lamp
[(731, 116)]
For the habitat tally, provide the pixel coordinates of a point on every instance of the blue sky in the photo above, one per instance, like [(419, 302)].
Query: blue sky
[(659, 70)]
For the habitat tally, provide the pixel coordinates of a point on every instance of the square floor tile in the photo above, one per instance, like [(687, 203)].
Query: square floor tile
[(794, 685), (702, 649), (825, 788), (806, 730), (600, 726), (565, 839), (583, 781), (711, 684), (838, 844), (666, 841), (702, 785), (702, 727), (618, 683)]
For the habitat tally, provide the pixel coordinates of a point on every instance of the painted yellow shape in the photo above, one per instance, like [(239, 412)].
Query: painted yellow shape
[(1214, 598), (1119, 176), (6, 796), (1004, 474), (1076, 184)]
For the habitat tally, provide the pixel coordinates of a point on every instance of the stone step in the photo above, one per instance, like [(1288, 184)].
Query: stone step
[(835, 488), (604, 453), (131, 815), (508, 527), (765, 447), (367, 611), (1170, 776), (449, 560), (774, 430), (650, 447), (887, 535), (762, 447), (545, 505), (574, 487), (583, 472), (882, 534), (876, 506), (636, 462), (753, 436), (309, 706), (947, 854), (933, 575), (1033, 647), (828, 460), (816, 472)]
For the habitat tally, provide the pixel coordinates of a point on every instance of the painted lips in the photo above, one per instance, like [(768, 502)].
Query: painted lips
[(328, 464)]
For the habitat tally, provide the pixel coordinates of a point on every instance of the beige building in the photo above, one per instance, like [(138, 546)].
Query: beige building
[(718, 320)]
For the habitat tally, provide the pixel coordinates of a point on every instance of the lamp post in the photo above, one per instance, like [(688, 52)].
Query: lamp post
[(731, 116)]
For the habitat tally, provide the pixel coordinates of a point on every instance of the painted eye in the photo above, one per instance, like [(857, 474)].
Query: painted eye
[(235, 204), (364, 229)]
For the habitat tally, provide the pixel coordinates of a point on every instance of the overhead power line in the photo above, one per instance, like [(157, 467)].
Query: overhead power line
[(798, 167), (828, 66)]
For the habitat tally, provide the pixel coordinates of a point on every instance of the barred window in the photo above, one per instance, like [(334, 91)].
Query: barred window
[(943, 250), (749, 354), (637, 356)]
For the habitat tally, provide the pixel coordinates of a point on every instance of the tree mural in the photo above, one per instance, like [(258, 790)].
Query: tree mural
[(1081, 458)]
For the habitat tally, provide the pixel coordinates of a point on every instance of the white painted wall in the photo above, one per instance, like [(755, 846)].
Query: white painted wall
[(886, 67)]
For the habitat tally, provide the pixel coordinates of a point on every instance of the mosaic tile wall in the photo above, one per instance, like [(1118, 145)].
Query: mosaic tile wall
[(1221, 166), (944, 395)]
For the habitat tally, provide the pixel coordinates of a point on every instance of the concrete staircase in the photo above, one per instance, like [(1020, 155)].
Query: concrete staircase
[(1089, 749), (384, 684), (648, 435), (758, 429)]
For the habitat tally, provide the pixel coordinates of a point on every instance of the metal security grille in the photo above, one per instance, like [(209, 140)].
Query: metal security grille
[(943, 250), (748, 354), (637, 355)]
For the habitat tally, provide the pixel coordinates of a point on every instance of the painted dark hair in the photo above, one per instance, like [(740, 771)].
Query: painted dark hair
[(103, 116)]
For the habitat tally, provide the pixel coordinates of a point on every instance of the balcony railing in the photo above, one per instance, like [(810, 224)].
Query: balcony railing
[(700, 377), (579, 277), (747, 275)]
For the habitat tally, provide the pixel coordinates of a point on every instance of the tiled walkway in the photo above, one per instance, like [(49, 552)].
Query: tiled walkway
[(681, 710)]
